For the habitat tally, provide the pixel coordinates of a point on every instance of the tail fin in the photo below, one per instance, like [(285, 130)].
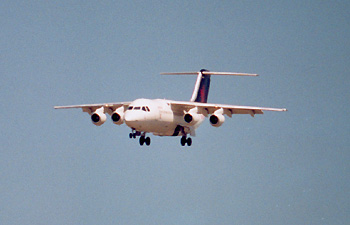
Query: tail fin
[(201, 88)]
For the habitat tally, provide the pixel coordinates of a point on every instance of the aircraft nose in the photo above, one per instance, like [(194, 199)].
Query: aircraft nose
[(132, 119)]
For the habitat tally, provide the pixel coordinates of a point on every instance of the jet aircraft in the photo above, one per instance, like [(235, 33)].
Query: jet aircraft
[(163, 117)]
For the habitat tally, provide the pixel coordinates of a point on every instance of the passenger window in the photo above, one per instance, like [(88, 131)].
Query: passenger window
[(137, 108)]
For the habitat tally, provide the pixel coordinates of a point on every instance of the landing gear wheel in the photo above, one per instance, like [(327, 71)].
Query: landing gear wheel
[(142, 140), (189, 141), (130, 135), (148, 141), (183, 140)]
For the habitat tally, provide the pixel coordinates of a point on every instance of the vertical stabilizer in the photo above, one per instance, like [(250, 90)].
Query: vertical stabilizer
[(201, 88)]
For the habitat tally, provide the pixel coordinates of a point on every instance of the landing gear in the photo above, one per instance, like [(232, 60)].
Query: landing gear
[(144, 140), (184, 140), (134, 134)]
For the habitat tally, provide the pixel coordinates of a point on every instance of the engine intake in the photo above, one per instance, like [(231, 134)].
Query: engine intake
[(214, 119), (188, 118), (115, 117)]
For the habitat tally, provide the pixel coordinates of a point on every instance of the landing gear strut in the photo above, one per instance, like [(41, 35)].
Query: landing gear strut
[(184, 140)]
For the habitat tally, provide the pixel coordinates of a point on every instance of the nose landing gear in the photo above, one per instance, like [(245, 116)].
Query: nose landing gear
[(134, 134), (143, 139)]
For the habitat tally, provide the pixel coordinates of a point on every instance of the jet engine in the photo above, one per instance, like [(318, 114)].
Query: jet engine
[(217, 118), (117, 116), (98, 117), (192, 117)]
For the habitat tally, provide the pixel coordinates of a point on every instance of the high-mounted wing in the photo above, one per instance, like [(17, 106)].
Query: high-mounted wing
[(207, 108), (98, 111), (89, 108)]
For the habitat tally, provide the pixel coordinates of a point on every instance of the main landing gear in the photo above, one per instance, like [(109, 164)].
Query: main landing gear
[(143, 139), (185, 140)]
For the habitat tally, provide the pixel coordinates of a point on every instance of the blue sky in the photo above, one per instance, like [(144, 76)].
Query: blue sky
[(56, 167)]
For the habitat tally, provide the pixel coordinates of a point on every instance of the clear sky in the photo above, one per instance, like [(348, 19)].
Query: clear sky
[(56, 167)]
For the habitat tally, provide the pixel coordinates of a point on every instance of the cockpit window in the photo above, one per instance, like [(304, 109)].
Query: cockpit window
[(144, 108)]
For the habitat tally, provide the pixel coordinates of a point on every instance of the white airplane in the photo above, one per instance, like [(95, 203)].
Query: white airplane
[(167, 117)]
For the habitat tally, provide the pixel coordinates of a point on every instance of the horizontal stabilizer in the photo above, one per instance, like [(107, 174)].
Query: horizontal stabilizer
[(211, 73)]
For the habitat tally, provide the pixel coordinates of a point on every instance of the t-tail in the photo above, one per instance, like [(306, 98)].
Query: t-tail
[(201, 88)]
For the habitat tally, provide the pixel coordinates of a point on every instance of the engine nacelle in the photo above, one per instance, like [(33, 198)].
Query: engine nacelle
[(216, 119), (98, 117), (192, 117), (117, 116)]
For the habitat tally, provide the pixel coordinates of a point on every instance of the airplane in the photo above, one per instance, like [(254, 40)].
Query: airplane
[(163, 117)]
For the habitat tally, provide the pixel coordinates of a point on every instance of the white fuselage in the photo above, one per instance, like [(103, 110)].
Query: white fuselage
[(156, 116)]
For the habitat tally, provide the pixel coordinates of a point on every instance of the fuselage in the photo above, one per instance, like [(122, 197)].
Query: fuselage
[(156, 116)]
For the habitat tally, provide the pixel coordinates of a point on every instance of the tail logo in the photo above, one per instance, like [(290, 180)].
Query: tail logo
[(203, 90)]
